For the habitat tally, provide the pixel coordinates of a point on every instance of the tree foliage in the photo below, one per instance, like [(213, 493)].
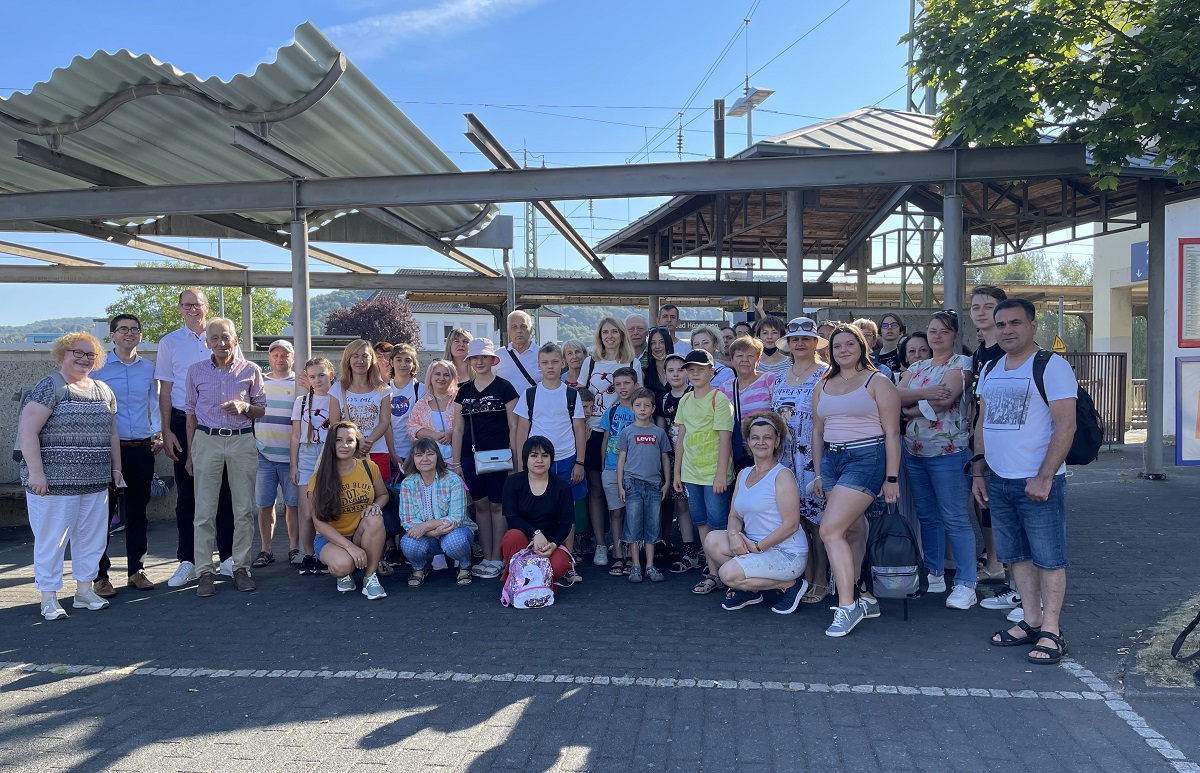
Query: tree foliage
[(381, 319), (157, 306), (320, 306), (1119, 75)]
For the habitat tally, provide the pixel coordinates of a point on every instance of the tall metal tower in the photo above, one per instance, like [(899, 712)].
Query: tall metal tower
[(921, 99), (531, 247)]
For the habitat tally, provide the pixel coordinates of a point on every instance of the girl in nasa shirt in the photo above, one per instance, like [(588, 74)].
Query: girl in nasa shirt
[(403, 393)]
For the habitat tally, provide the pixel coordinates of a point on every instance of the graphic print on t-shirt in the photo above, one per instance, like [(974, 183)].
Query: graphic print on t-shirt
[(645, 438), (1007, 403)]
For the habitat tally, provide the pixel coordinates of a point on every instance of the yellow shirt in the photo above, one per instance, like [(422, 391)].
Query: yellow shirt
[(703, 418), (358, 491)]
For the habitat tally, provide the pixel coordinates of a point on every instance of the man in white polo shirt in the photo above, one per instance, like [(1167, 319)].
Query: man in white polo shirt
[(519, 360)]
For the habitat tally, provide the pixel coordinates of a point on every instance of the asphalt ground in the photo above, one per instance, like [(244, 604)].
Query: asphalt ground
[(613, 677)]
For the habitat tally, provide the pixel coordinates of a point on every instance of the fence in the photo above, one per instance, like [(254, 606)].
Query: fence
[(1102, 374), (1138, 404)]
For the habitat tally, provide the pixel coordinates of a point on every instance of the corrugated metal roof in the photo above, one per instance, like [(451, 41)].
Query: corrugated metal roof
[(868, 129), (355, 130)]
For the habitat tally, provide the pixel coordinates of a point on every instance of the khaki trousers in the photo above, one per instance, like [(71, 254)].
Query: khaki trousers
[(237, 457)]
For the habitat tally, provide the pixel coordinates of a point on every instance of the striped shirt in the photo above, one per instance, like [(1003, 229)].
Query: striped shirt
[(208, 386), (273, 432)]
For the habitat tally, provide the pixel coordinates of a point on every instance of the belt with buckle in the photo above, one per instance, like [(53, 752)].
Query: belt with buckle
[(222, 431), (137, 443), (864, 443)]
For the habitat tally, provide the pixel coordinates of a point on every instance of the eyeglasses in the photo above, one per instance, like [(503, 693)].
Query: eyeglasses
[(889, 325), (192, 306), (80, 354), (123, 330), (806, 326)]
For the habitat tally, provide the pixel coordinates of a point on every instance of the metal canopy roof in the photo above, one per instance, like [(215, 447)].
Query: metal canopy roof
[(351, 130), (705, 231)]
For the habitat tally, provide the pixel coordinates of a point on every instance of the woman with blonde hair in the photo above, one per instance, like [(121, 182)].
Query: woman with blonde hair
[(708, 338), (456, 352), (433, 416), (70, 454), (364, 400)]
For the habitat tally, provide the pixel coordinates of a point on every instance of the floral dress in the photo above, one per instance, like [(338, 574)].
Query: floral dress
[(794, 404), (947, 434)]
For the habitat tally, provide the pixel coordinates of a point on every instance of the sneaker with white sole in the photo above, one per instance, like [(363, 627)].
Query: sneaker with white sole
[(1006, 598), (52, 610), (961, 597), (601, 556), (87, 599), (226, 568), (937, 583), (346, 584), (183, 575), (371, 587), (844, 620), (870, 607)]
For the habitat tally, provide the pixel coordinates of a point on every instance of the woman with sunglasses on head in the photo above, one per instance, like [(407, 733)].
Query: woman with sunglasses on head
[(856, 446), (891, 331), (611, 351), (793, 400), (771, 332), (936, 450)]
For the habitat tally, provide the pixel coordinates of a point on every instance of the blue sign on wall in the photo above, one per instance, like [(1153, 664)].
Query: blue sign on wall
[(1139, 261)]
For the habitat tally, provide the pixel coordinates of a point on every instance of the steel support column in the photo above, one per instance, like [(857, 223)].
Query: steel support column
[(952, 249), (248, 320), (301, 334), (652, 273), (510, 297), (1152, 451), (794, 204)]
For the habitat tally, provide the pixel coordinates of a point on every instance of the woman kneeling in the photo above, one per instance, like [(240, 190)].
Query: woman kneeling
[(539, 508), (347, 496), (433, 507), (763, 551)]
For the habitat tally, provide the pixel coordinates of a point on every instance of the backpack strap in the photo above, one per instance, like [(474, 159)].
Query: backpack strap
[(1040, 359), (572, 399), (587, 380), (530, 396), (520, 366)]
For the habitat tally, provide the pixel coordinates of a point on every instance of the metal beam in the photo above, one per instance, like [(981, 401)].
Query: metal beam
[(794, 209), (117, 236), (294, 167), (952, 249), (33, 253), (482, 138), (103, 178), (550, 184)]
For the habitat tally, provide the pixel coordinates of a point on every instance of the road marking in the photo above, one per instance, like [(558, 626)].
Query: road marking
[(1136, 721)]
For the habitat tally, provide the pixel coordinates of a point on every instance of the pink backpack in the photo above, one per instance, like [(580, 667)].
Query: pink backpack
[(530, 583)]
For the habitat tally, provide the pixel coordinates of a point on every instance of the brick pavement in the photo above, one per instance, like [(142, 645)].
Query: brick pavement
[(1131, 544)]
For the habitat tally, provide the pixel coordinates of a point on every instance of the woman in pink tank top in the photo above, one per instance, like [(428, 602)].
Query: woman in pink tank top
[(856, 448)]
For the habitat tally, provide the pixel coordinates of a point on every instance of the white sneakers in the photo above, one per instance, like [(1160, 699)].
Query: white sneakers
[(87, 599), (52, 610), (937, 583), (1010, 599), (961, 597), (600, 558), (184, 574)]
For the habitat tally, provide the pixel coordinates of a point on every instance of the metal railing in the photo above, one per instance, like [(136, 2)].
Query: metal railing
[(1137, 399), (1102, 374)]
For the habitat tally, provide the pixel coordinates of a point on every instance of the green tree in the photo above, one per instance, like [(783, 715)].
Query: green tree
[(320, 306), (1118, 75), (157, 306)]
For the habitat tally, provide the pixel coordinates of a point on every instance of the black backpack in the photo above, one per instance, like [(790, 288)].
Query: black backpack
[(897, 570), (531, 395), (1089, 428)]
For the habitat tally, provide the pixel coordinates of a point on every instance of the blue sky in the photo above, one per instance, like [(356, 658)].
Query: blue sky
[(578, 82)]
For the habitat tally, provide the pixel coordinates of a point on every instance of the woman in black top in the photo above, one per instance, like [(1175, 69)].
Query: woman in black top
[(539, 508), (659, 344), (487, 424)]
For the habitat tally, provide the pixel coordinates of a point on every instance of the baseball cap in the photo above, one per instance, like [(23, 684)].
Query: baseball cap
[(285, 344), (698, 357)]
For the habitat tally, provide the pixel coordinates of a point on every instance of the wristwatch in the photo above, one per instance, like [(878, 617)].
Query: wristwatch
[(892, 479), (579, 462)]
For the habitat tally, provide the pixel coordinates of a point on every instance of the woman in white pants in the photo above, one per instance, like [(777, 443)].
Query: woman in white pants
[(71, 453)]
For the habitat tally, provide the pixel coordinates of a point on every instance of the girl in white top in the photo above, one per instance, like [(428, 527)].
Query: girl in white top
[(763, 552), (364, 401), (403, 394), (312, 416)]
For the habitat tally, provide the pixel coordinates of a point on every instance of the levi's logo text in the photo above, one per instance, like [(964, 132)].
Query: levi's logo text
[(644, 439)]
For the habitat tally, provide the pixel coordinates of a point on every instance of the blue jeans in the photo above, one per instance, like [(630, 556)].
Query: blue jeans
[(1026, 530), (271, 476), (708, 508), (939, 491), (643, 511), (456, 546)]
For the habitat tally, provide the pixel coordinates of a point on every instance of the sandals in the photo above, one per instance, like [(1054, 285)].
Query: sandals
[(464, 578), (1053, 654), (815, 594), (417, 579), (385, 569), (617, 567), (1032, 634), (709, 584), (262, 559)]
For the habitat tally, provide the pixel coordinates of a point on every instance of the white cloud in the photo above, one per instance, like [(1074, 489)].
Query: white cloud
[(374, 36)]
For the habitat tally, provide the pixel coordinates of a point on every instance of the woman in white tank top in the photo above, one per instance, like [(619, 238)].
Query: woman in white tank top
[(763, 552)]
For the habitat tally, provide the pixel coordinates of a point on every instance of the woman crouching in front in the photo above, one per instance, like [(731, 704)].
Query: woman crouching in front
[(539, 508), (763, 552), (347, 496), (433, 512)]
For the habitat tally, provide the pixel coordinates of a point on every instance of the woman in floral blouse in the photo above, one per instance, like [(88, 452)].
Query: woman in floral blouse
[(936, 451)]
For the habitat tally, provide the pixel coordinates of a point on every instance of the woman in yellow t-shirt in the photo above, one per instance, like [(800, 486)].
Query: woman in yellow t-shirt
[(347, 495)]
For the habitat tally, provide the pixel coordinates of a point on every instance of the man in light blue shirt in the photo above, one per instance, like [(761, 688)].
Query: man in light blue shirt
[(131, 378)]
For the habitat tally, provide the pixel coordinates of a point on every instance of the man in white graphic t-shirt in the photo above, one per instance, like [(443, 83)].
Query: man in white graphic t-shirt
[(1027, 432)]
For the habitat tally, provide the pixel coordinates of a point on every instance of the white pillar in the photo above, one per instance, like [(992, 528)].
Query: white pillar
[(301, 333)]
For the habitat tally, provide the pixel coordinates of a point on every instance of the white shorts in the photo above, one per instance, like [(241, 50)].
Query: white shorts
[(772, 564)]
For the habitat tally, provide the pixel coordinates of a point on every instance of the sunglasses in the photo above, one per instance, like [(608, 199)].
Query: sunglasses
[(805, 326)]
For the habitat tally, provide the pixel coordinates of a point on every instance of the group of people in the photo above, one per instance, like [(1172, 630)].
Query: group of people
[(765, 446)]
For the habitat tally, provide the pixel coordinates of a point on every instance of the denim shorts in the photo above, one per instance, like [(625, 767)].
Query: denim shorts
[(1026, 530), (612, 496), (859, 469), (272, 476), (308, 456), (643, 511), (319, 543), (707, 507)]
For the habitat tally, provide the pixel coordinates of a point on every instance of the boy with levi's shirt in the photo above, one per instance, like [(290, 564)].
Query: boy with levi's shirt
[(616, 418), (642, 467), (703, 455)]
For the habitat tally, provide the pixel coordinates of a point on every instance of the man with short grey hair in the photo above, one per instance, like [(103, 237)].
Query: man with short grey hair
[(637, 327), (519, 360)]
